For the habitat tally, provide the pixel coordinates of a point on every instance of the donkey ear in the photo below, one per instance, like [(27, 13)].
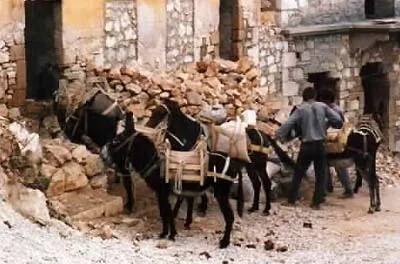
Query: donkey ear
[(129, 122)]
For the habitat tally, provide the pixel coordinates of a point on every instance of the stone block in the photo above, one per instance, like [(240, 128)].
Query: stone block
[(288, 5), (238, 35), (289, 59), (298, 74), (18, 98), (17, 52), (21, 75), (290, 89), (86, 204)]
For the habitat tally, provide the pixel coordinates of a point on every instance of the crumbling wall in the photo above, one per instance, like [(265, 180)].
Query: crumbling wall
[(83, 31), (120, 33), (206, 35), (312, 12), (12, 66)]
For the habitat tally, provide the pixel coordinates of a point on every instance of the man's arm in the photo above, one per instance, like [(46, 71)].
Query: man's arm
[(283, 131), (334, 119)]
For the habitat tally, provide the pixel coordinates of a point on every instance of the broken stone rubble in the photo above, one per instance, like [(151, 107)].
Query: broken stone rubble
[(233, 84), (63, 175)]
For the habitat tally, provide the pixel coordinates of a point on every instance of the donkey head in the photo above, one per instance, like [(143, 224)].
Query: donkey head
[(128, 149)]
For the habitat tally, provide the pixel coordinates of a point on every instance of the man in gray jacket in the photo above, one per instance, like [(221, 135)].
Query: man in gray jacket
[(312, 119)]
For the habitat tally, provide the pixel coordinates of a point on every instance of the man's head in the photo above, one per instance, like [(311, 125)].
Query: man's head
[(309, 94)]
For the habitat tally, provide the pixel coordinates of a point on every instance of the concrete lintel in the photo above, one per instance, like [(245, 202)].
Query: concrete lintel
[(370, 26)]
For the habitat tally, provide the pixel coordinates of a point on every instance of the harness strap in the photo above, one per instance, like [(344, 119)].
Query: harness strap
[(77, 122), (261, 149), (110, 108), (220, 176)]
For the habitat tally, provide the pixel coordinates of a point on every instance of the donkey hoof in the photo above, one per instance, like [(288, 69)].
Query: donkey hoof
[(223, 243), (163, 235), (377, 209), (252, 209), (266, 212), (187, 226), (355, 190), (371, 210), (171, 237)]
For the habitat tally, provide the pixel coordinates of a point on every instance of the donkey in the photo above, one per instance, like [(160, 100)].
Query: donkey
[(94, 123), (361, 149), (131, 149), (181, 127)]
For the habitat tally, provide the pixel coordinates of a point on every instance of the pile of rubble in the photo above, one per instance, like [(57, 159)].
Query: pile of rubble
[(66, 176), (232, 84), (387, 168)]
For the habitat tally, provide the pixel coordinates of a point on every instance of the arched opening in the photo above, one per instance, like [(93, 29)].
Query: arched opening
[(376, 85), (43, 47), (231, 31)]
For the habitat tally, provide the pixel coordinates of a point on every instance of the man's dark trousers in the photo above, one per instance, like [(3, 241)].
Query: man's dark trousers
[(313, 151)]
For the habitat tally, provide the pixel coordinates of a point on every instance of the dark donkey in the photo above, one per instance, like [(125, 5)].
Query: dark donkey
[(94, 123), (361, 149), (183, 132), (132, 149)]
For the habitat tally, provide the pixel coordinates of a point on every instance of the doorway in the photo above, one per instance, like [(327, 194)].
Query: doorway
[(323, 81), (43, 47), (229, 30), (376, 9), (376, 85)]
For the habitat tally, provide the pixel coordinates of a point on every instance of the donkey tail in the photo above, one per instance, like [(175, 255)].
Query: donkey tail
[(283, 156), (240, 199)]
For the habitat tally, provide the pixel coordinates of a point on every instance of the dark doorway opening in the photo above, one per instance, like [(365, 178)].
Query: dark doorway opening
[(376, 85), (43, 47), (323, 81), (230, 34), (375, 9)]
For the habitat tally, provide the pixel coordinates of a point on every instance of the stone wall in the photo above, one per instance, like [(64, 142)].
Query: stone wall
[(12, 55), (311, 12), (120, 33), (272, 46), (180, 32)]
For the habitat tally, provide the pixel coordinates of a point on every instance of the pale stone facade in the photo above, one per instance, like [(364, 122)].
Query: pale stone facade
[(290, 41)]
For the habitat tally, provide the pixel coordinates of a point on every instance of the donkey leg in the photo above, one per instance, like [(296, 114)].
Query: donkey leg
[(358, 183), (189, 213), (161, 198), (170, 218), (178, 204), (127, 182), (255, 181), (226, 210), (378, 196), (266, 182), (202, 208)]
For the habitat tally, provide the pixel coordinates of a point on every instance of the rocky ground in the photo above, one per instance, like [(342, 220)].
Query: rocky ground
[(341, 233)]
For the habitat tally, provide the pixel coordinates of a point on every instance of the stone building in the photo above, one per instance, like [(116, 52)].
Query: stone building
[(348, 44)]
